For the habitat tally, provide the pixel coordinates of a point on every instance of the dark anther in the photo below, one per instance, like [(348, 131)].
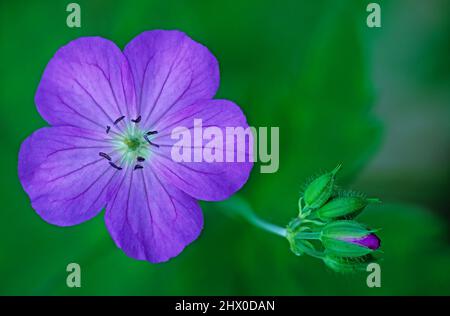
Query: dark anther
[(106, 156), (140, 159), (138, 167), (150, 142), (152, 132), (119, 119), (108, 128), (137, 120), (115, 166)]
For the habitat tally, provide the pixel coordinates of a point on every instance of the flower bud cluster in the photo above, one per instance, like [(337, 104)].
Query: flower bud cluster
[(326, 227)]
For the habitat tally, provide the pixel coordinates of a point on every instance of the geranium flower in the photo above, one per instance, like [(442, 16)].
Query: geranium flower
[(109, 144)]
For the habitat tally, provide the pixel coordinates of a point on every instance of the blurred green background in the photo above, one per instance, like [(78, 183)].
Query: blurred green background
[(376, 100)]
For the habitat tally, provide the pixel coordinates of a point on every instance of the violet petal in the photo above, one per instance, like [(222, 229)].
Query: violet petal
[(66, 180), (370, 241), (170, 71), (210, 181), (87, 84), (150, 220)]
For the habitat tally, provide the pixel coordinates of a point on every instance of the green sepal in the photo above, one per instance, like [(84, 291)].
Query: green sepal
[(291, 230), (299, 245), (348, 264), (343, 207)]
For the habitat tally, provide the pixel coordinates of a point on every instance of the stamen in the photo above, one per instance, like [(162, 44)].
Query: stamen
[(108, 128), (152, 132), (115, 166), (137, 120), (104, 155), (119, 119), (138, 167), (140, 159), (150, 142)]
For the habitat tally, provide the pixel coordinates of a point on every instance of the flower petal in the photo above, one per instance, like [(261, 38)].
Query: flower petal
[(63, 174), (170, 71), (88, 84), (370, 241), (150, 220), (207, 179)]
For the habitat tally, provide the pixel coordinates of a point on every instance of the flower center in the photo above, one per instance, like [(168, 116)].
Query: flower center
[(132, 144)]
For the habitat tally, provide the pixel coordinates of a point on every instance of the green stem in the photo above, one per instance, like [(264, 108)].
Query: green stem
[(308, 235), (240, 207), (272, 228), (247, 213), (313, 222)]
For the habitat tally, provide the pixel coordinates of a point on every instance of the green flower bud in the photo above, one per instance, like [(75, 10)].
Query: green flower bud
[(320, 190), (344, 207), (348, 239), (348, 264)]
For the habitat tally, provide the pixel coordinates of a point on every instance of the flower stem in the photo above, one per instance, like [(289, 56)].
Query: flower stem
[(272, 228), (308, 235), (242, 208)]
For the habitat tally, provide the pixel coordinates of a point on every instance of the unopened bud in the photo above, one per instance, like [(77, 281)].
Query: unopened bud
[(348, 239), (320, 190), (345, 207)]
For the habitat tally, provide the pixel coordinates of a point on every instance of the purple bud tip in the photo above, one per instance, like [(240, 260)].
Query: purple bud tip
[(370, 241)]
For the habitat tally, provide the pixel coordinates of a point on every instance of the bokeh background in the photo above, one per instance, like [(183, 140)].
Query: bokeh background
[(377, 100)]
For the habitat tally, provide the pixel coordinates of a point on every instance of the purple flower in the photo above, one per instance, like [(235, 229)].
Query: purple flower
[(112, 114), (370, 241)]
